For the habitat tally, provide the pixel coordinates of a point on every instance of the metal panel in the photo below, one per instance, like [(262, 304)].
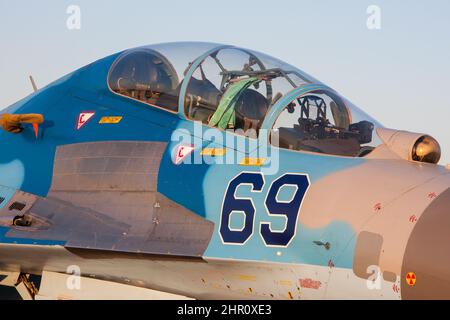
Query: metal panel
[(367, 253), (103, 196)]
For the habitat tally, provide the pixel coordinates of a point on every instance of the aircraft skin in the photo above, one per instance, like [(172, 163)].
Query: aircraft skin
[(109, 198)]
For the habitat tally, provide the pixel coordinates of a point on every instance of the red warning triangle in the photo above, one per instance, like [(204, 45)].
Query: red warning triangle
[(83, 118), (182, 152)]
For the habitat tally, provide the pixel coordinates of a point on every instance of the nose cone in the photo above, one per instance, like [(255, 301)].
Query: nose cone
[(427, 255)]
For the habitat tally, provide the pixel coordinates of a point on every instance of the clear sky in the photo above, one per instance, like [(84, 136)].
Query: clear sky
[(399, 74)]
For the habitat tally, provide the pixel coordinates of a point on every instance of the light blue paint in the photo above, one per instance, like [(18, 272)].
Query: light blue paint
[(11, 178), (6, 239), (302, 248), (12, 174), (6, 193), (286, 193), (237, 220), (207, 186)]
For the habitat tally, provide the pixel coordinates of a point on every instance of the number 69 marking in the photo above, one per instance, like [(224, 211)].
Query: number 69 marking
[(287, 209)]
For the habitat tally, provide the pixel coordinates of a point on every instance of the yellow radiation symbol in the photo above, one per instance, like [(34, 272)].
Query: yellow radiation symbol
[(411, 278)]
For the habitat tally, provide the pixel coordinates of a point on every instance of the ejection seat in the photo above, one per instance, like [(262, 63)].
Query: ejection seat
[(251, 108)]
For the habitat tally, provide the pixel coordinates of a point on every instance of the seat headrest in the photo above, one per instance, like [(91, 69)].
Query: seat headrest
[(252, 104)]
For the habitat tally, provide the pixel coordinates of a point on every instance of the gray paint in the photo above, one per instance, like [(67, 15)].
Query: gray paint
[(107, 166), (104, 196)]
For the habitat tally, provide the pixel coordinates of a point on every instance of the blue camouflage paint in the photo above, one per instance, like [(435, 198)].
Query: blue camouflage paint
[(198, 187), (184, 182), (61, 103), (204, 187), (301, 249)]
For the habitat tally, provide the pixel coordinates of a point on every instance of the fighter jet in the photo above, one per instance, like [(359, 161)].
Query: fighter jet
[(209, 171)]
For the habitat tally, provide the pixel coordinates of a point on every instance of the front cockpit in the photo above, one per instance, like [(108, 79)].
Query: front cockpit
[(231, 88)]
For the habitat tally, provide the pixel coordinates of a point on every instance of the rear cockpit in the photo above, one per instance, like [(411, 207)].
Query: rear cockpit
[(234, 88)]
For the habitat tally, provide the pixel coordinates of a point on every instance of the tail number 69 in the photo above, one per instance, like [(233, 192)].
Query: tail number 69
[(287, 209)]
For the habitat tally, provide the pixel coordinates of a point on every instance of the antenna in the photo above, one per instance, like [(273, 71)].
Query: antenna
[(33, 84)]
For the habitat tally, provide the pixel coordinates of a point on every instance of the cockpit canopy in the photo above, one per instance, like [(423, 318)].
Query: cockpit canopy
[(232, 88), (147, 76)]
